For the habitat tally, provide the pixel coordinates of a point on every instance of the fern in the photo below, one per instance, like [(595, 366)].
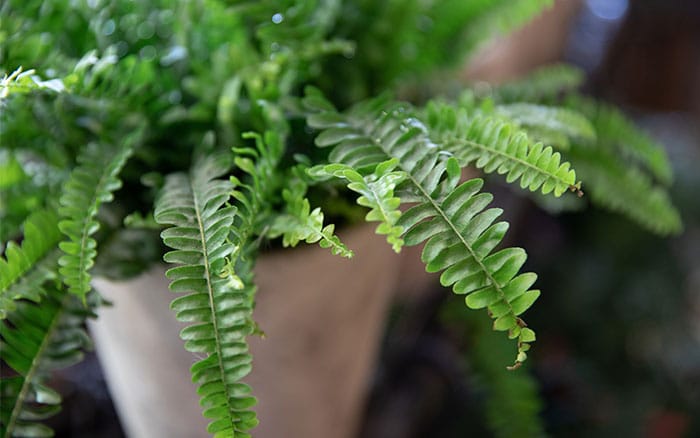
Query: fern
[(544, 85), (300, 223), (616, 132), (220, 308), (550, 125), (450, 217), (496, 146), (35, 340), (377, 192), (26, 267), (91, 184), (626, 189)]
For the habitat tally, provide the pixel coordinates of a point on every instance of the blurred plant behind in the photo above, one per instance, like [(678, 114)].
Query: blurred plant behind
[(619, 351)]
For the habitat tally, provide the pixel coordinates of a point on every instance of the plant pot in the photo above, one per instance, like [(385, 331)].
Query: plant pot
[(322, 317)]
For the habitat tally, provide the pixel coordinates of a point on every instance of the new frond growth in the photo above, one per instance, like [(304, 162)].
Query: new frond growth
[(377, 194)]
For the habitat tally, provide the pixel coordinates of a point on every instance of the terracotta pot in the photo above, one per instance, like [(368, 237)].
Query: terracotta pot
[(322, 315)]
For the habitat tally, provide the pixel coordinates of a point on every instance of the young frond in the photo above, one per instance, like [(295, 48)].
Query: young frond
[(377, 194), (91, 184), (218, 305), (450, 218), (300, 223), (24, 268), (496, 146), (35, 340)]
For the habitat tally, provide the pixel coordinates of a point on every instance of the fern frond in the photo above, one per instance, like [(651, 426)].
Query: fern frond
[(459, 233), (220, 309), (616, 132), (544, 85), (495, 146), (625, 189), (377, 194), (34, 341), (300, 223), (24, 268), (551, 125), (92, 183)]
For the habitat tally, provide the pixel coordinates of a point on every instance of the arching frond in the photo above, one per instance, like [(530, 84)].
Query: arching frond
[(495, 146), (625, 189), (545, 84), (24, 268), (616, 132), (35, 340), (450, 218), (551, 125), (218, 304), (92, 183)]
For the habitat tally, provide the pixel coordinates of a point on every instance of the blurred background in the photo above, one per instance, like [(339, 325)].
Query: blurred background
[(618, 351)]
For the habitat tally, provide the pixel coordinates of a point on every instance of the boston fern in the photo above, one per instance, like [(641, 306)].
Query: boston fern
[(214, 127)]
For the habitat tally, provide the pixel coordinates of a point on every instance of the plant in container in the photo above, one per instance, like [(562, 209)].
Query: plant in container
[(202, 132)]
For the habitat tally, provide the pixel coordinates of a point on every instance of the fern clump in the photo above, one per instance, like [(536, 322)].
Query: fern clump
[(212, 128)]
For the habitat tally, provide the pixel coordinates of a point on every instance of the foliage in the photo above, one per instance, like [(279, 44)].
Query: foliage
[(190, 117)]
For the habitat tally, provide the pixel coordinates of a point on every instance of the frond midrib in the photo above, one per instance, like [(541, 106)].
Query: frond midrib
[(512, 159), (442, 214), (210, 291)]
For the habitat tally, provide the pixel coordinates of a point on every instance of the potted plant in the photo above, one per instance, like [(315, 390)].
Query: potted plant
[(201, 132)]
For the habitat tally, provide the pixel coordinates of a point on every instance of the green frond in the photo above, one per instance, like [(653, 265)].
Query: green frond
[(91, 184), (24, 268), (551, 125), (218, 305), (617, 132), (35, 340), (300, 223), (545, 84), (377, 194), (623, 188), (450, 218), (496, 146)]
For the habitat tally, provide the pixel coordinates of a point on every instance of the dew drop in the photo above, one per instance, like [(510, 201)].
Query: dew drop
[(277, 18)]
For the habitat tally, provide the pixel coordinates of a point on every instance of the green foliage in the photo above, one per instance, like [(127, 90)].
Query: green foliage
[(449, 217), (130, 90), (25, 268), (217, 304), (377, 190), (91, 184), (496, 146), (35, 340)]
